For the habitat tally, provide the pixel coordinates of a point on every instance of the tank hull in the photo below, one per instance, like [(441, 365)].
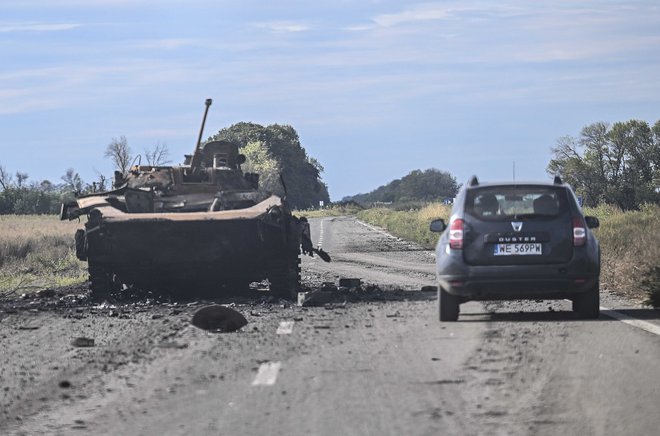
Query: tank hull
[(186, 252), (167, 252)]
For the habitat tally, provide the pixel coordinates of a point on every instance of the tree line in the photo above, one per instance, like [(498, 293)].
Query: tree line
[(617, 164), (417, 186), (21, 196)]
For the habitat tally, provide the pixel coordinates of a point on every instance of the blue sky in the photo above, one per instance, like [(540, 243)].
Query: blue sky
[(375, 89)]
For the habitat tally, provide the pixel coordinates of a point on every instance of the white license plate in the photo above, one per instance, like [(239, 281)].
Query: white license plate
[(518, 249)]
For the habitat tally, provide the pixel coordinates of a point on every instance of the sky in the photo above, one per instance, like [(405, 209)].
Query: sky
[(375, 89)]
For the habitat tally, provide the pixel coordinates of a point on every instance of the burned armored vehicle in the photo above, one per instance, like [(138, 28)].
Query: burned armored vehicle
[(203, 225)]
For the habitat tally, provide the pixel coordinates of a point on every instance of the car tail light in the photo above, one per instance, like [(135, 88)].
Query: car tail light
[(456, 234), (579, 232)]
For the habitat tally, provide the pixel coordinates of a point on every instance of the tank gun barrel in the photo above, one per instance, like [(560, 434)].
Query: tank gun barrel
[(194, 161)]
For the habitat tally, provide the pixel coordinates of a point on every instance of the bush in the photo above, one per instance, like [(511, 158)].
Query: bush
[(630, 246), (651, 285)]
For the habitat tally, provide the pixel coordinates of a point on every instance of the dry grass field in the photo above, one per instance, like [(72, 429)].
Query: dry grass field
[(630, 245), (37, 252)]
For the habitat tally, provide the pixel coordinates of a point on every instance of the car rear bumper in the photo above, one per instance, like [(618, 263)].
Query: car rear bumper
[(498, 289), (550, 281)]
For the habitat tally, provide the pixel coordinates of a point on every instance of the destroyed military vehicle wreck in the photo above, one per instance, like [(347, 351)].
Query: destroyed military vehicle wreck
[(203, 225)]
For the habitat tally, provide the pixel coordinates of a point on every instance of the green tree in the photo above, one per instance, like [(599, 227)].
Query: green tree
[(417, 186), (72, 181), (5, 178), (616, 164), (301, 173), (259, 160)]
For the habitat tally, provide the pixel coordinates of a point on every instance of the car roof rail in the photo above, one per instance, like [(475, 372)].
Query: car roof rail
[(473, 181), (558, 180)]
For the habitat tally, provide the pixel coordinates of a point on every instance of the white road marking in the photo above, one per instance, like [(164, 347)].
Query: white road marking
[(285, 328), (321, 233), (644, 325), (267, 374)]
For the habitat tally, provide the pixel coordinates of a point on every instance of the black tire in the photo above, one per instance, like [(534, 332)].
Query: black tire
[(284, 278), (101, 280), (587, 304), (448, 305)]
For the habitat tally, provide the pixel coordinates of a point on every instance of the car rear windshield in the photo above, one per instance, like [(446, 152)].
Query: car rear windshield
[(494, 203)]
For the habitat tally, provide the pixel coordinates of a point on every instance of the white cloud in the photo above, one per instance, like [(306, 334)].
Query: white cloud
[(166, 43), (37, 27), (419, 13), (282, 26)]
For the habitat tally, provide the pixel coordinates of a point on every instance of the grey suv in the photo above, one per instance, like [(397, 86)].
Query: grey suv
[(517, 241)]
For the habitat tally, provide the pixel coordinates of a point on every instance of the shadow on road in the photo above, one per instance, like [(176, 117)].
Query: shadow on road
[(641, 314)]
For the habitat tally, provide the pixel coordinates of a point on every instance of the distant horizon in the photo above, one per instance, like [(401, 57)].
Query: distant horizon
[(374, 89)]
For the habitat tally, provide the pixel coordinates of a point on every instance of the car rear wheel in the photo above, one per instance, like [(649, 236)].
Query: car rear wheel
[(587, 304), (448, 305)]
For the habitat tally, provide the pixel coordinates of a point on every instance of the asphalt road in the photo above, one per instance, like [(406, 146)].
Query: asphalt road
[(385, 366)]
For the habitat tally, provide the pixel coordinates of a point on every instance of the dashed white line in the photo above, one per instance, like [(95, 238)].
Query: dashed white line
[(285, 328), (644, 325), (267, 374), (321, 233)]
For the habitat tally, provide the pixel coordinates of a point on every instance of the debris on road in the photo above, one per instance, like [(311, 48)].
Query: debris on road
[(173, 345), (83, 342), (352, 290), (350, 283), (220, 319), (46, 293)]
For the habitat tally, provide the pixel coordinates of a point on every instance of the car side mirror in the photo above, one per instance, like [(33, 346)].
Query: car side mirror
[(437, 226), (592, 222)]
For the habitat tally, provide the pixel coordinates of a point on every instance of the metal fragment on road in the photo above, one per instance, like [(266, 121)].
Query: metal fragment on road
[(83, 342), (173, 345), (267, 374), (285, 328), (218, 319), (315, 298), (350, 283)]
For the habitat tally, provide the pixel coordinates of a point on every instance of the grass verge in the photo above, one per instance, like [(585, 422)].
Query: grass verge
[(411, 225), (37, 252)]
